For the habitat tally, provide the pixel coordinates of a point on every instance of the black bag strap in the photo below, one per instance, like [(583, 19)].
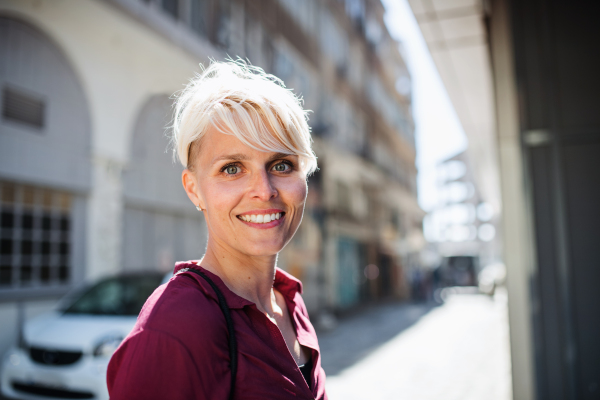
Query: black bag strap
[(230, 329)]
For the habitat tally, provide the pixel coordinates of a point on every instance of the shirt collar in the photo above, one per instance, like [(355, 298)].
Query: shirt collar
[(285, 283)]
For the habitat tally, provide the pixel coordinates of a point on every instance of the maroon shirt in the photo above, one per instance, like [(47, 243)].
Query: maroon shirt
[(179, 348)]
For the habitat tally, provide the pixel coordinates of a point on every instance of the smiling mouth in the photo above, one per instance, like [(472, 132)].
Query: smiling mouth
[(261, 218)]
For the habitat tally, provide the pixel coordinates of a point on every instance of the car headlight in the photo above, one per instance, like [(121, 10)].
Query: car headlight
[(107, 346)]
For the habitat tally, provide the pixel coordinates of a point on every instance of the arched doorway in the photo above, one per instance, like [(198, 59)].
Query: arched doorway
[(161, 226), (45, 125), (44, 163)]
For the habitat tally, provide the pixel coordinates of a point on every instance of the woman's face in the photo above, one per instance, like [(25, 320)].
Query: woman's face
[(253, 200)]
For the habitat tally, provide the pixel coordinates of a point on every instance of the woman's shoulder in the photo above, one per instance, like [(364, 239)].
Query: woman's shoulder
[(183, 309), (179, 333)]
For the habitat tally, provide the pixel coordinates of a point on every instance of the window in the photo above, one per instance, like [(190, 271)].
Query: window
[(344, 198), (222, 20), (199, 14), (35, 236), (22, 108), (122, 295), (171, 7)]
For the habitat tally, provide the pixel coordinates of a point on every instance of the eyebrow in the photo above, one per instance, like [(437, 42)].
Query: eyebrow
[(243, 157), (231, 157), (280, 155)]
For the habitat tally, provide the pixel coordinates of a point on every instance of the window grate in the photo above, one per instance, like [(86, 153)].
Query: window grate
[(35, 236), (22, 108)]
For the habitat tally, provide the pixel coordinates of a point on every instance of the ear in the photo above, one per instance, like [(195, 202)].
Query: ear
[(190, 184)]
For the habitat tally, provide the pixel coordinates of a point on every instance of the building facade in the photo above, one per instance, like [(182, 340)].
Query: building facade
[(523, 78), (87, 182), (462, 223)]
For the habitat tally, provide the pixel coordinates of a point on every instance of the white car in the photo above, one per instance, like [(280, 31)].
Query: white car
[(64, 354)]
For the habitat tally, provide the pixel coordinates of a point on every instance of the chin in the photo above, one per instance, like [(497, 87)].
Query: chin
[(262, 249)]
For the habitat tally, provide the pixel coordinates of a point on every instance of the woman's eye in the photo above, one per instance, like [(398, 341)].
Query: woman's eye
[(281, 167), (232, 170)]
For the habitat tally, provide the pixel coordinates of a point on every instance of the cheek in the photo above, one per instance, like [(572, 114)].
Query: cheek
[(294, 191), (221, 197)]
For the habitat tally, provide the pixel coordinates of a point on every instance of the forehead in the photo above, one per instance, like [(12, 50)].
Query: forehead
[(218, 146)]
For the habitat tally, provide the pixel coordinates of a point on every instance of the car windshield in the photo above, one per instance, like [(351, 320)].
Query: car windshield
[(123, 295)]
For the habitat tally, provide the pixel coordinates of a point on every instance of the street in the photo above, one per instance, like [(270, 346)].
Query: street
[(456, 351)]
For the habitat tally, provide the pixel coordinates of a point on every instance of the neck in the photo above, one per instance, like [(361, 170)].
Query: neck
[(250, 277)]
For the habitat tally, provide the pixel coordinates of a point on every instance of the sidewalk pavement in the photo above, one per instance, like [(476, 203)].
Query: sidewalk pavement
[(457, 351)]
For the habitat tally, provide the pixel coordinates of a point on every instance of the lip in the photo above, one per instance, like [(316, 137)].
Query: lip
[(268, 225)]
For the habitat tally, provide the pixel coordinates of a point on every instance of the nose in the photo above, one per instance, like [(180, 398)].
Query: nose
[(261, 186)]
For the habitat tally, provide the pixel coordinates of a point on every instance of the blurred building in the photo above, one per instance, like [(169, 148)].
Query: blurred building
[(523, 78), (88, 187), (462, 223)]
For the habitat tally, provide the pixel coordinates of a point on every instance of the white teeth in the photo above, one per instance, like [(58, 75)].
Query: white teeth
[(261, 219)]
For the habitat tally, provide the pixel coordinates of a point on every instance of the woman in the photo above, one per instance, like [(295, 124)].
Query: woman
[(246, 145)]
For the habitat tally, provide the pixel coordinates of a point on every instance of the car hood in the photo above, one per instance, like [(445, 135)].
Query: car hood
[(75, 332)]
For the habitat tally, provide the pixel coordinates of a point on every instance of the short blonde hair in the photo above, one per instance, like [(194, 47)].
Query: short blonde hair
[(240, 99)]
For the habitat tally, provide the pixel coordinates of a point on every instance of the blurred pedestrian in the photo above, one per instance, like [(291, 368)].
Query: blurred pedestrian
[(231, 325)]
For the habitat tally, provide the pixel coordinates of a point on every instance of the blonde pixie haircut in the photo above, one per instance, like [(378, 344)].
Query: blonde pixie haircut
[(241, 100)]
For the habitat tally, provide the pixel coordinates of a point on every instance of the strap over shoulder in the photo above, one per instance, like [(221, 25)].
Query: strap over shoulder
[(230, 328)]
